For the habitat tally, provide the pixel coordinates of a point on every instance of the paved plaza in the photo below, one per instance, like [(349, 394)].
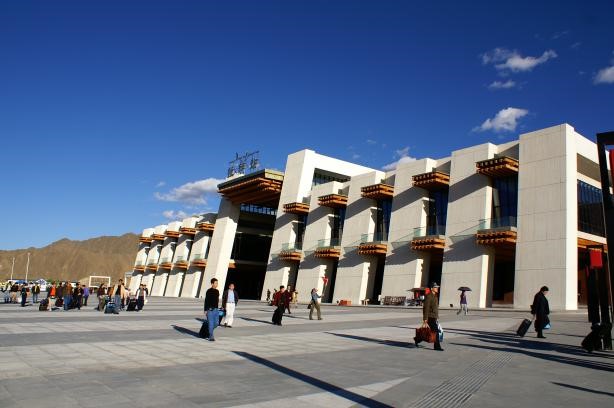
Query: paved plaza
[(356, 356)]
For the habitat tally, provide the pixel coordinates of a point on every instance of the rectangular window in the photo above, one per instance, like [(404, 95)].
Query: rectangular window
[(338, 218), (504, 201), (590, 210), (437, 212), (382, 226)]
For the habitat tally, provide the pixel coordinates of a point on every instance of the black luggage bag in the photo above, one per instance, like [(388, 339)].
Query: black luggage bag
[(59, 302), (204, 330), (524, 327), (43, 306), (131, 305)]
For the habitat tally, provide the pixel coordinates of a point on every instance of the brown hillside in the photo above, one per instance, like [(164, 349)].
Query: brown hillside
[(73, 260)]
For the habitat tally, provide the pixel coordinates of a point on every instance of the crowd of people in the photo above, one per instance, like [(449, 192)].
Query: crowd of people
[(68, 295)]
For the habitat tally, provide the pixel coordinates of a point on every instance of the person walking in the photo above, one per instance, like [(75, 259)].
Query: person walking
[(86, 294), (101, 293), (288, 300), (268, 295), (118, 292), (78, 296), (540, 311), (212, 301), (279, 300), (67, 293), (36, 290), (315, 304), (430, 314), (24, 294), (141, 295), (463, 303), (230, 299)]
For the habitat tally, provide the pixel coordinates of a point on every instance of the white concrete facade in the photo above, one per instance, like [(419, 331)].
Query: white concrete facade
[(545, 227)]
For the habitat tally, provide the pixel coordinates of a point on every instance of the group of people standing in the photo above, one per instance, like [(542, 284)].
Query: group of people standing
[(72, 297), (14, 291), (230, 299)]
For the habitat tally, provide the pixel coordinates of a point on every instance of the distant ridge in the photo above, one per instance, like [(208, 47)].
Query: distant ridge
[(72, 260)]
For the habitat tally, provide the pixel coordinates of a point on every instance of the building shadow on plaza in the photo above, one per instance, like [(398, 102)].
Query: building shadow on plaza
[(511, 343), (315, 382)]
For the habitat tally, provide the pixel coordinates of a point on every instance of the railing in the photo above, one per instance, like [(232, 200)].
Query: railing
[(181, 258), (375, 237), (500, 222), (152, 262), (289, 246), (165, 260), (199, 256), (429, 231), (328, 243)]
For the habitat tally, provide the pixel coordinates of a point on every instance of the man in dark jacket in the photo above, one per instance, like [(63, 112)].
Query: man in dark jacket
[(540, 310), (430, 314), (230, 299), (212, 301)]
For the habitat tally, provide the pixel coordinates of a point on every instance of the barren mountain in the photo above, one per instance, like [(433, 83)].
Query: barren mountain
[(73, 260)]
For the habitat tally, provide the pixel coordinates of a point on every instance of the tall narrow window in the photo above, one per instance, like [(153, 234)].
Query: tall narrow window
[(590, 210), (437, 212), (504, 201), (337, 227), (382, 226), (300, 228)]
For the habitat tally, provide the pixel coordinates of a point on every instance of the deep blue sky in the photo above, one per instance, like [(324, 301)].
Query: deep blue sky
[(103, 104)]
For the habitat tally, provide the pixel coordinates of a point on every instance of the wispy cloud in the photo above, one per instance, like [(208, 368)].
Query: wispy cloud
[(560, 34), (161, 184), (505, 60), (175, 215), (371, 142), (505, 120), (193, 193), (502, 85), (355, 156), (402, 156), (605, 75), (575, 45)]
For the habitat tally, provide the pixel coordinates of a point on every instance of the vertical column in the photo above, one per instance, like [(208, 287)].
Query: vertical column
[(470, 199), (141, 259), (297, 185), (354, 269), (193, 276), (312, 269), (175, 278), (221, 244), (546, 249), (403, 265)]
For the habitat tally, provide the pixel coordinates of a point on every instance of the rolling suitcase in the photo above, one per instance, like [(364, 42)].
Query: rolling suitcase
[(524, 327), (204, 330), (111, 308), (59, 302), (131, 305), (43, 306)]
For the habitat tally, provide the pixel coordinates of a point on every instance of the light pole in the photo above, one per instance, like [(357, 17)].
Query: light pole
[(27, 268), (12, 267)]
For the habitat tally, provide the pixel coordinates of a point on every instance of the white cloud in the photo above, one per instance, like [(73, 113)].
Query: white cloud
[(355, 156), (175, 215), (505, 120), (193, 193), (403, 157), (560, 34), (502, 85), (161, 184), (576, 45), (371, 142), (605, 75), (506, 60)]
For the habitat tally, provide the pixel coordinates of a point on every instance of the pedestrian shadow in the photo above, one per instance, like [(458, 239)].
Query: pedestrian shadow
[(509, 339), (249, 319), (508, 348), (576, 387), (393, 343), (323, 385), (183, 330)]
